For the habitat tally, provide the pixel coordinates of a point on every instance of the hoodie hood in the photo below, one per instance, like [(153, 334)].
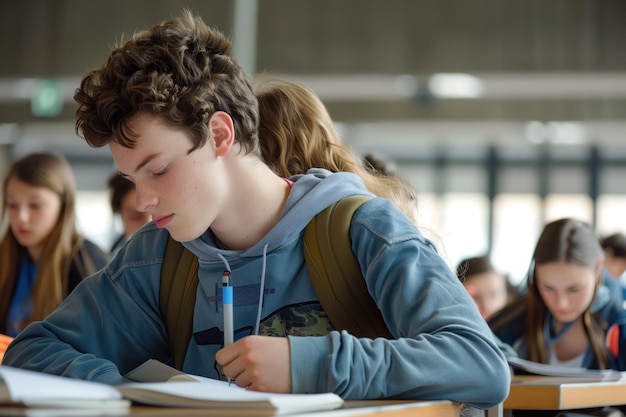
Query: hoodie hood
[(311, 193)]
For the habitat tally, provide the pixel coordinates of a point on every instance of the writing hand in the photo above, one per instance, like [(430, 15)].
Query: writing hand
[(260, 363)]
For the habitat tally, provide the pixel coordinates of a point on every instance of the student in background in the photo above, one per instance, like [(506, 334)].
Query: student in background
[(566, 317), (123, 197), (297, 133), (379, 163), (180, 119), (614, 247), (42, 255), (487, 286)]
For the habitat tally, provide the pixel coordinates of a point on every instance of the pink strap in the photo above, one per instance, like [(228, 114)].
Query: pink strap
[(288, 181)]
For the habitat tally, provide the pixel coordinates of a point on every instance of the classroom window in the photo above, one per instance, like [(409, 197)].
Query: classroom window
[(611, 209), (464, 225), (611, 203), (576, 206), (429, 216), (94, 217), (517, 222)]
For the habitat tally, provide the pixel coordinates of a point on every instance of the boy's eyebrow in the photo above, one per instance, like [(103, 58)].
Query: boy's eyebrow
[(145, 162)]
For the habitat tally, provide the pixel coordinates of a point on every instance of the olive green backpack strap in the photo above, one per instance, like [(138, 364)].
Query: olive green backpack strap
[(177, 297), (336, 274)]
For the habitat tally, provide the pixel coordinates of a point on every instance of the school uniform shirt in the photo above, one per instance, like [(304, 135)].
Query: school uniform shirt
[(442, 349)]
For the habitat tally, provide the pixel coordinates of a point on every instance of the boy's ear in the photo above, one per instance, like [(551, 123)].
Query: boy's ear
[(221, 132)]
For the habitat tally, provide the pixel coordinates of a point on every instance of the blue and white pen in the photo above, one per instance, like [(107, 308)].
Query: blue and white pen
[(227, 302)]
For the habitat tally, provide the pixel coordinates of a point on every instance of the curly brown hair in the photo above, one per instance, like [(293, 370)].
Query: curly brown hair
[(180, 71)]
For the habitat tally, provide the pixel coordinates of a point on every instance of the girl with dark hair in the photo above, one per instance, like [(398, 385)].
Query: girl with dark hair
[(566, 316)]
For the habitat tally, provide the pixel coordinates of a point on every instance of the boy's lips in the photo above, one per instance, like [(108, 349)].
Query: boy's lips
[(162, 221)]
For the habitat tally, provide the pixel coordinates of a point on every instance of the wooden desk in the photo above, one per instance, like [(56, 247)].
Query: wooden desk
[(530, 392), (388, 408), (382, 408)]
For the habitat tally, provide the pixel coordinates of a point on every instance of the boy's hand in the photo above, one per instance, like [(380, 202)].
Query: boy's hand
[(259, 363)]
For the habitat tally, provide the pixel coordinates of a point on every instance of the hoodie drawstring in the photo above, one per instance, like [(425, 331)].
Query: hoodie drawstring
[(261, 292)]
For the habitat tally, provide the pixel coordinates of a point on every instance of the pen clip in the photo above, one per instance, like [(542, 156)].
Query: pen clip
[(226, 279)]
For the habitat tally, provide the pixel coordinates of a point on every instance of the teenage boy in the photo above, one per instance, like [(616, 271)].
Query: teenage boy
[(180, 119)]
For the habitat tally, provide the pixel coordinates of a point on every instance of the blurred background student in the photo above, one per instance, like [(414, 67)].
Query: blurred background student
[(614, 247), (380, 163), (296, 134), (566, 316), (487, 286), (123, 196), (42, 255)]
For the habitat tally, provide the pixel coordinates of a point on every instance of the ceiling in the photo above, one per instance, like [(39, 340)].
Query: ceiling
[(372, 62)]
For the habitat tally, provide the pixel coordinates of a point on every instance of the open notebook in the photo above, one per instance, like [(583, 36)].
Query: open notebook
[(522, 366), (34, 389)]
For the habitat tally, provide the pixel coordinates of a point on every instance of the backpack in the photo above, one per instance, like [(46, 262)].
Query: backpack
[(334, 271)]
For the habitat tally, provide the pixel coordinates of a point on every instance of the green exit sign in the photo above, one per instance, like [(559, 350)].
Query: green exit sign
[(47, 99)]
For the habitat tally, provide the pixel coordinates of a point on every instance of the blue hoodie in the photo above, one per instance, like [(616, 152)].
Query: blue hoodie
[(443, 348)]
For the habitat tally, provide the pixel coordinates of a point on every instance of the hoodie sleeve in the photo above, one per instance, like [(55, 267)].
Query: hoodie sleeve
[(443, 349), (113, 315)]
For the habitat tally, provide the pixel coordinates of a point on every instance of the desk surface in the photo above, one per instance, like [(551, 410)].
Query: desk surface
[(531, 392), (382, 408), (397, 409)]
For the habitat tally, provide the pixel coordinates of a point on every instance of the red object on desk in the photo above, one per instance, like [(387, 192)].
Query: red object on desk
[(612, 340)]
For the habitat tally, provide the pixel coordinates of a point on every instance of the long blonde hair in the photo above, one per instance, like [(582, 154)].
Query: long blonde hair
[(296, 133), (53, 172)]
